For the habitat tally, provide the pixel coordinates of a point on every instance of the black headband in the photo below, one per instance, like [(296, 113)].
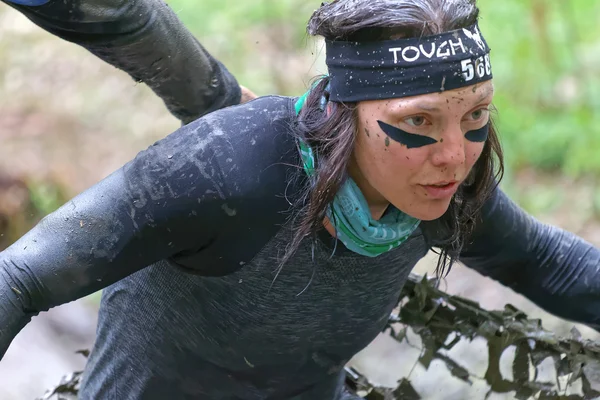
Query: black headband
[(407, 67)]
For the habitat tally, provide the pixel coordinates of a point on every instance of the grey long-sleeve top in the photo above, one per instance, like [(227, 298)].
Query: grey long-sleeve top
[(187, 235)]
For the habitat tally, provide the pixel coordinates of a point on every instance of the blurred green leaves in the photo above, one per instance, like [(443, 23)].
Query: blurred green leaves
[(254, 39), (46, 197), (545, 56)]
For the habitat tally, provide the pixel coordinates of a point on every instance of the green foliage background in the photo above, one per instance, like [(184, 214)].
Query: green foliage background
[(546, 58)]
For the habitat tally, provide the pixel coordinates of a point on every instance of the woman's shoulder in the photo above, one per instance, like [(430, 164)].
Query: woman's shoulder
[(259, 124), (263, 109), (241, 149), (236, 168), (252, 143)]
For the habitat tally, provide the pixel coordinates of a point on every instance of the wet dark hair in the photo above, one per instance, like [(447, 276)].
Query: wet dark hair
[(332, 135)]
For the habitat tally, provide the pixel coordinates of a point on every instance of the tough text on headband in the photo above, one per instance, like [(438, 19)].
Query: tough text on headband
[(407, 67)]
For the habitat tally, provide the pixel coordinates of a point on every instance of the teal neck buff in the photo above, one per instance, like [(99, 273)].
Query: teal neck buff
[(350, 214)]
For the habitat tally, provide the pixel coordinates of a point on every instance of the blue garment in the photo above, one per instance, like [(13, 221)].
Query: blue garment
[(32, 3)]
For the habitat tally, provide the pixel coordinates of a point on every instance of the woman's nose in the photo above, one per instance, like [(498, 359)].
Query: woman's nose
[(450, 149)]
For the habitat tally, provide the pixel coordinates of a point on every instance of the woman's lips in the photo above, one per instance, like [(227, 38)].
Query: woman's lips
[(441, 191)]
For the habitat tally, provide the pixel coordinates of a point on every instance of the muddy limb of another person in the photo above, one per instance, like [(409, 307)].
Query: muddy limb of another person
[(146, 39)]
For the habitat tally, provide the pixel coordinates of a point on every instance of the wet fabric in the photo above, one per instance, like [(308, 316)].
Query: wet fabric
[(187, 238)]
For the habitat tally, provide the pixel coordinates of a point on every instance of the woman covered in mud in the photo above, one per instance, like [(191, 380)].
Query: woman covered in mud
[(251, 253)]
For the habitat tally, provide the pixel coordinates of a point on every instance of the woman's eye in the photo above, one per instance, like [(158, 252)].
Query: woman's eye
[(478, 114), (415, 121)]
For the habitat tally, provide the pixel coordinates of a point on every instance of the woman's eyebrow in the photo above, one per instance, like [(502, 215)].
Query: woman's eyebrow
[(428, 107), (485, 95), (435, 108)]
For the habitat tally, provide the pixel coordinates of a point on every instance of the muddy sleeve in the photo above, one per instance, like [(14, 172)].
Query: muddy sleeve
[(554, 268), (167, 200), (146, 39)]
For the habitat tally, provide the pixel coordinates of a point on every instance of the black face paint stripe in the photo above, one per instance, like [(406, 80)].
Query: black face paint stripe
[(478, 135), (410, 140)]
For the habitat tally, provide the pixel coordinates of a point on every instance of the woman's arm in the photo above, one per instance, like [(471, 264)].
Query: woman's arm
[(145, 39), (169, 199), (552, 267)]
